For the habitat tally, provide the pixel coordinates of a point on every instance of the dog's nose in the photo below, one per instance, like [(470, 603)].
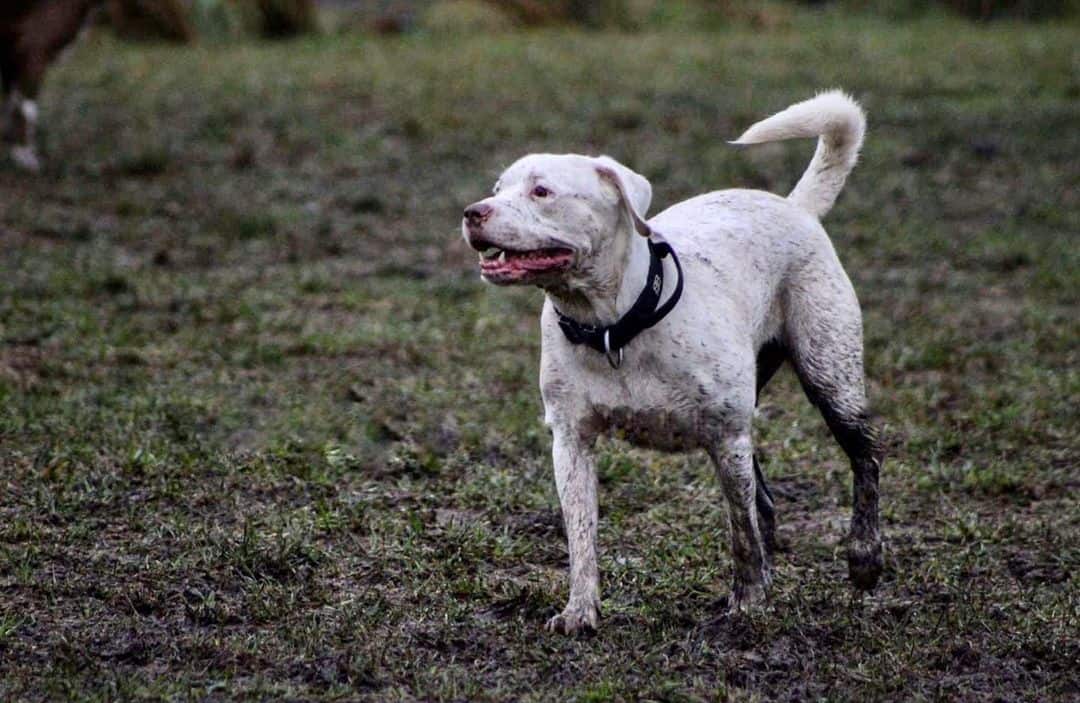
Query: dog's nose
[(476, 213)]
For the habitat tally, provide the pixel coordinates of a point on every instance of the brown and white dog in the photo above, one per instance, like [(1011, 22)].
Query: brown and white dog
[(32, 34)]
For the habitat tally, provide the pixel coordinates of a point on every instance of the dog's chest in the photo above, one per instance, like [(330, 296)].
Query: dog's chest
[(651, 428), (648, 413)]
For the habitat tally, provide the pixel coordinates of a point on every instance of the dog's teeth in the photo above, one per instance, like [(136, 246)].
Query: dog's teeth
[(502, 257), (490, 253)]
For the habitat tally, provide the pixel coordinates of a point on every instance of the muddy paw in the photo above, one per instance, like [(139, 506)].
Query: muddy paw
[(575, 618), (744, 596), (26, 158), (865, 562)]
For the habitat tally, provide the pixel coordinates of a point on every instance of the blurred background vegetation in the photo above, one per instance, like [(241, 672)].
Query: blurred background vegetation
[(189, 20)]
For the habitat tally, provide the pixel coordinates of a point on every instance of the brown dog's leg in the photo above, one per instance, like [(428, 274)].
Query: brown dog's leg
[(8, 73), (23, 72), (35, 40)]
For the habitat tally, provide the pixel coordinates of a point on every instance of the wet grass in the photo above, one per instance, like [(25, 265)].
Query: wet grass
[(264, 434)]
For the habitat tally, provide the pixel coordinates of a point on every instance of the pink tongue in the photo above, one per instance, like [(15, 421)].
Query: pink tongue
[(536, 263)]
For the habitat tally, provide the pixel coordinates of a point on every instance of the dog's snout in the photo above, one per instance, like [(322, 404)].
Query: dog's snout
[(476, 213)]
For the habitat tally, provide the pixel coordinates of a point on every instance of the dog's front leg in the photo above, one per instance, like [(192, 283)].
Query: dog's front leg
[(24, 152), (17, 127), (575, 480), (733, 457)]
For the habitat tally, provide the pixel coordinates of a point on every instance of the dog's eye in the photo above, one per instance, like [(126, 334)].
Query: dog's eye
[(541, 192)]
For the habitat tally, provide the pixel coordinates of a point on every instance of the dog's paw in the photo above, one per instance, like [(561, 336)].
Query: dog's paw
[(865, 562), (745, 596), (575, 618), (26, 159)]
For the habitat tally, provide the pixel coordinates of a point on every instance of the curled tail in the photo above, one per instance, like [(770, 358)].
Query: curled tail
[(838, 122)]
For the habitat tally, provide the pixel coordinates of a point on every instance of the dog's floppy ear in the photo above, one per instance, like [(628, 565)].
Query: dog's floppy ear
[(634, 190)]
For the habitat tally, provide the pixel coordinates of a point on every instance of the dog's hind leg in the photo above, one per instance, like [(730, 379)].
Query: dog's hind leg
[(769, 359), (766, 508), (824, 333)]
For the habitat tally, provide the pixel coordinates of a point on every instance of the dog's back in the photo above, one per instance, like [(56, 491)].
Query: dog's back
[(40, 26)]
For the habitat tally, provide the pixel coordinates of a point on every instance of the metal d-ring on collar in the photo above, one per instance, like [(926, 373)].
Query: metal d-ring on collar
[(615, 362), (643, 314)]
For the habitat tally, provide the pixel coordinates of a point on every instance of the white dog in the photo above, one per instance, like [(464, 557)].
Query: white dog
[(672, 357)]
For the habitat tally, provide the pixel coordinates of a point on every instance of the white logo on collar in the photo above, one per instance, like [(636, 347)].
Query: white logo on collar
[(656, 284)]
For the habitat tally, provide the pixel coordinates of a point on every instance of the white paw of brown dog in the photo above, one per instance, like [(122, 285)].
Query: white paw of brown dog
[(26, 158)]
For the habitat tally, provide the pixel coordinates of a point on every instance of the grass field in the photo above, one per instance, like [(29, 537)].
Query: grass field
[(265, 435)]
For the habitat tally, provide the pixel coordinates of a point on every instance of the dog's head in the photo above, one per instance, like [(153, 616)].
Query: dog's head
[(556, 218)]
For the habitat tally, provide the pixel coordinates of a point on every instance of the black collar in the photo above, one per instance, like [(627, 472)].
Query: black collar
[(645, 312)]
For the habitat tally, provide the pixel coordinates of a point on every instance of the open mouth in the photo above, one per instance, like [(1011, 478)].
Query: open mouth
[(508, 266)]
